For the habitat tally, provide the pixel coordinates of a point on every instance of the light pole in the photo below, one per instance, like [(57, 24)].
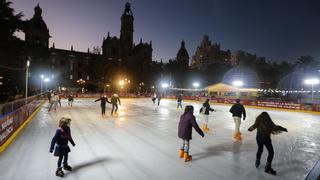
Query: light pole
[(27, 77), (42, 77), (195, 85), (312, 82), (46, 80), (237, 83), (164, 86)]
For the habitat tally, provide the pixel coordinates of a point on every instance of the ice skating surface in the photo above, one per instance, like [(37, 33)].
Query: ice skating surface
[(142, 143)]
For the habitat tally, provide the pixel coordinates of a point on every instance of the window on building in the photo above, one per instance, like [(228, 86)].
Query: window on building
[(62, 62), (88, 78), (71, 76), (80, 65)]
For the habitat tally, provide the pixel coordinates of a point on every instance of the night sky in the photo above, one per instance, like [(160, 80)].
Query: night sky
[(276, 29)]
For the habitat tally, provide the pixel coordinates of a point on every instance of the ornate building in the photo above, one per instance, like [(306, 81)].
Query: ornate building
[(244, 57), (66, 67), (208, 54), (183, 56), (123, 49)]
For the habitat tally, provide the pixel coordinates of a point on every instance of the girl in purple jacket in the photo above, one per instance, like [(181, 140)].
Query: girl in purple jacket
[(60, 146), (187, 121)]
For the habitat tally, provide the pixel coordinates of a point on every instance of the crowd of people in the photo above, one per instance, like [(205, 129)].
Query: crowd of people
[(263, 124)]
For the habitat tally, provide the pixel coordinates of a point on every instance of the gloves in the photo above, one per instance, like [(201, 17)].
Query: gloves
[(285, 129), (244, 118), (51, 151)]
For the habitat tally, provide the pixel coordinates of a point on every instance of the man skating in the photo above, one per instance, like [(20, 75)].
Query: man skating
[(114, 101), (237, 111)]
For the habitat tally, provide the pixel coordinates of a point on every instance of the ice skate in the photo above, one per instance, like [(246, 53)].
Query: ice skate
[(257, 163), (59, 172), (269, 170), (238, 136), (67, 167), (187, 157), (181, 153)]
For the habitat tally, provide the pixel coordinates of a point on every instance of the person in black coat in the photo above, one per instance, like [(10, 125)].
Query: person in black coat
[(70, 99), (187, 121), (179, 101), (104, 100), (237, 111), (205, 110), (265, 127), (59, 144)]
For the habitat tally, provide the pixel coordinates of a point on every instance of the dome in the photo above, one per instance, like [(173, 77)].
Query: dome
[(242, 73)]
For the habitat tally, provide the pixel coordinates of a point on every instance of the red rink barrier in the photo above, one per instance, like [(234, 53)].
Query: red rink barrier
[(10, 122)]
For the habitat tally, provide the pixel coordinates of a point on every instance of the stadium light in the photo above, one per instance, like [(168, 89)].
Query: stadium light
[(312, 82), (196, 84), (41, 76), (237, 83), (165, 85)]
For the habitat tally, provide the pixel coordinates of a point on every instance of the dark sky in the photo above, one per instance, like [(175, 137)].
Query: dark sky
[(276, 29)]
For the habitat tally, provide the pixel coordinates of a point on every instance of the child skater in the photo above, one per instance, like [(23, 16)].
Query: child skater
[(60, 145), (187, 121), (205, 109), (265, 127)]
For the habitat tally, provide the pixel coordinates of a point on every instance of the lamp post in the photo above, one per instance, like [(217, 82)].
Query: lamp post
[(42, 77), (195, 85), (312, 82), (46, 80), (81, 82), (237, 83), (27, 78), (164, 86)]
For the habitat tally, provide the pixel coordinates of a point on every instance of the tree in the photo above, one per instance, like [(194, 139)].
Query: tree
[(307, 63), (9, 22)]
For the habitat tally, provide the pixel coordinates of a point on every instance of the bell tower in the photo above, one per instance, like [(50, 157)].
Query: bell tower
[(126, 32)]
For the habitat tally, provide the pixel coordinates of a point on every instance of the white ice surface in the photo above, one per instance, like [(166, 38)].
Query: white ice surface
[(142, 143)]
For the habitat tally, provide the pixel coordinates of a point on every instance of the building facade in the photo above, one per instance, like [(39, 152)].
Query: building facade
[(67, 67)]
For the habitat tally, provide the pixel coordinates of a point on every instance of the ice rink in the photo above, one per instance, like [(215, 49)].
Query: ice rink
[(142, 143)]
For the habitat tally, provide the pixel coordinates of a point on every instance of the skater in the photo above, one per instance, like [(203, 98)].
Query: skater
[(179, 101), (114, 101), (59, 101), (265, 127), (49, 96), (237, 111), (53, 102), (104, 100), (70, 99), (60, 146), (154, 98), (205, 110), (159, 98), (187, 121)]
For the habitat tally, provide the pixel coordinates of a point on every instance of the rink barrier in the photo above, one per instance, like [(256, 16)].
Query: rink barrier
[(314, 174), (13, 123)]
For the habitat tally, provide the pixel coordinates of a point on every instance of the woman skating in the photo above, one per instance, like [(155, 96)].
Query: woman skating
[(265, 127), (187, 121), (60, 146), (205, 110)]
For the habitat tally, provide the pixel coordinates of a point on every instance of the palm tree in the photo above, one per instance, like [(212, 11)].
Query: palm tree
[(9, 22)]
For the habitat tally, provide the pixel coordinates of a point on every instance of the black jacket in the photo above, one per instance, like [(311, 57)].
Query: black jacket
[(207, 108), (103, 100), (237, 110)]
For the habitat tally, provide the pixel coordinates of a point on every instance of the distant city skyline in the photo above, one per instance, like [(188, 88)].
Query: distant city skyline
[(277, 30)]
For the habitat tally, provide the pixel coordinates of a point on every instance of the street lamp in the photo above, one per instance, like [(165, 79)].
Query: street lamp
[(81, 82), (46, 80), (237, 83), (164, 85), (42, 77), (195, 85), (27, 77), (312, 82)]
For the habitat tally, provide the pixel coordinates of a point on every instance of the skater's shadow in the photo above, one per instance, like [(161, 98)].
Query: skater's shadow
[(218, 150), (83, 165)]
